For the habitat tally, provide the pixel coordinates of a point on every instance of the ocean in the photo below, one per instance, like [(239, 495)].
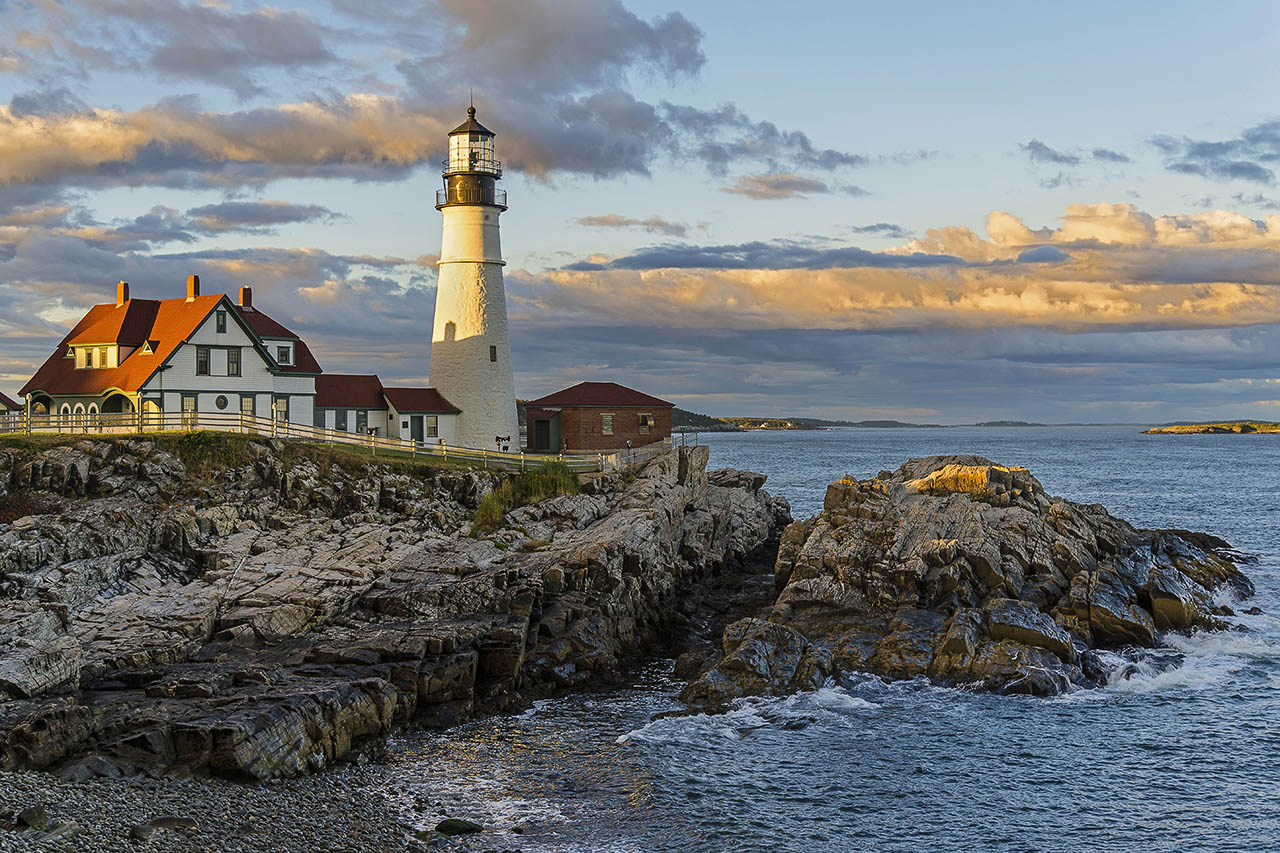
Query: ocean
[(1184, 755)]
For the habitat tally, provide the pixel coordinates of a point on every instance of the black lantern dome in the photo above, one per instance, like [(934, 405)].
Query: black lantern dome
[(470, 170)]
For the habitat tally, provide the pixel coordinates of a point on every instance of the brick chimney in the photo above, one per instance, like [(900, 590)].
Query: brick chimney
[(193, 287), (122, 293), (246, 297)]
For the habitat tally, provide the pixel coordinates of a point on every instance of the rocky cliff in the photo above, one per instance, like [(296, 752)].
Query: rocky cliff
[(262, 615), (965, 571)]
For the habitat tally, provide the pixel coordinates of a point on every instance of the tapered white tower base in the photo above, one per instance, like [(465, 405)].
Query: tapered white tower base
[(470, 346)]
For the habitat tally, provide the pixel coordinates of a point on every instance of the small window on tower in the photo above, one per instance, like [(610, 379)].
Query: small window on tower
[(493, 353)]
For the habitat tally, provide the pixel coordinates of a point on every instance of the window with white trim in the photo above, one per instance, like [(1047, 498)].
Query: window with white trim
[(606, 423)]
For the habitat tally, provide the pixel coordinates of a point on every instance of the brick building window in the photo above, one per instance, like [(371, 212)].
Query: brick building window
[(606, 423), (646, 421)]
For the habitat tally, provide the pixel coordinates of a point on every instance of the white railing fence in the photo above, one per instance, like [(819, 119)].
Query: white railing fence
[(152, 422)]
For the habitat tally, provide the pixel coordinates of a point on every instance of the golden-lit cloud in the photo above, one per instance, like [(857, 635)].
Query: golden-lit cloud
[(1105, 266), (358, 129)]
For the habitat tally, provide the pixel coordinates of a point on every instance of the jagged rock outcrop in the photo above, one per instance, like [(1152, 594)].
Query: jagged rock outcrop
[(965, 571), (262, 615)]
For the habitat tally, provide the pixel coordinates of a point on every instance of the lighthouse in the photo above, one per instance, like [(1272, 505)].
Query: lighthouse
[(470, 347)]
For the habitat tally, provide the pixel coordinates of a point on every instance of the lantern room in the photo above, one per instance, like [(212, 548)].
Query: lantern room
[(471, 168)]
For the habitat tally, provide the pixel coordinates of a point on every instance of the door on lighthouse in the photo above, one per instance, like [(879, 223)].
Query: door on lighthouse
[(415, 427)]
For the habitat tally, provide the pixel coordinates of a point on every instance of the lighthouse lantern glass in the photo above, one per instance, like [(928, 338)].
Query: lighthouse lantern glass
[(471, 152)]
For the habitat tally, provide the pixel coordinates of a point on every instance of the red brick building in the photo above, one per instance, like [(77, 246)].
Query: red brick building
[(593, 416)]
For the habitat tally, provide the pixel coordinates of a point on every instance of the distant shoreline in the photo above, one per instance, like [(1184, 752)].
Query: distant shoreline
[(1225, 428)]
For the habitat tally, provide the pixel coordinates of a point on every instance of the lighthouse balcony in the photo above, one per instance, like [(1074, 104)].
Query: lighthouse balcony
[(472, 161), (471, 194)]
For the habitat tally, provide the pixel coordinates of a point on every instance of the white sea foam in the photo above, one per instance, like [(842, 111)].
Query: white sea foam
[(746, 716)]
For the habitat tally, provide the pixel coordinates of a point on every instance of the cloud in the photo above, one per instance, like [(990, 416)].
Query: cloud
[(1106, 155), (244, 216), (772, 187), (554, 79), (1105, 266), (882, 229), (204, 42), (1043, 255), (652, 224), (1241, 158), (759, 255), (1038, 152)]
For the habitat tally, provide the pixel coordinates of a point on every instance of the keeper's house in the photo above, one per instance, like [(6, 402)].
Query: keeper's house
[(596, 416), (191, 354), (206, 354)]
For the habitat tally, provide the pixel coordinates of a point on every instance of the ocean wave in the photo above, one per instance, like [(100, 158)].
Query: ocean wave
[(831, 702)]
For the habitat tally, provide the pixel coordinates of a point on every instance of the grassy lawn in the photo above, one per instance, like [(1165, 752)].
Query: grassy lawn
[(205, 450)]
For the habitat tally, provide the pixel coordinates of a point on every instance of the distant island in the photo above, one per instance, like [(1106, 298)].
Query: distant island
[(1236, 427), (683, 420), (1009, 424)]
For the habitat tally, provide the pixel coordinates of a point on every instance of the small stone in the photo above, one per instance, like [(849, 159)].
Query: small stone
[(142, 832), (33, 816), (457, 826)]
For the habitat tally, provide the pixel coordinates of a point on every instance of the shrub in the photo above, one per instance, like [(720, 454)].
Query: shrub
[(20, 504), (552, 479)]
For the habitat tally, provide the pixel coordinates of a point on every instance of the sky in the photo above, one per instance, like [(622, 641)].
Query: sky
[(960, 212)]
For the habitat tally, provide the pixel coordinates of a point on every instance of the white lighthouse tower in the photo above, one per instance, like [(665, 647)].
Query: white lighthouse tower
[(470, 347)]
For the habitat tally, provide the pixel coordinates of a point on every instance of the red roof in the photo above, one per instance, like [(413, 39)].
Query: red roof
[(598, 394), (538, 414), (169, 322), (6, 403), (349, 391), (418, 400), (165, 323), (265, 327)]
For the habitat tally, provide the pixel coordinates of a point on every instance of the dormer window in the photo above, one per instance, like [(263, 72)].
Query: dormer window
[(71, 352), (282, 355)]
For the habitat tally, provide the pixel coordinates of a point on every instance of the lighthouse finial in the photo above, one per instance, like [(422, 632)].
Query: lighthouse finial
[(471, 110)]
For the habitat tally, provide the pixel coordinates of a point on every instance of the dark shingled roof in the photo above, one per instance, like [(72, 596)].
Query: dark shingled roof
[(419, 400), (11, 405), (264, 327), (349, 391), (598, 394)]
